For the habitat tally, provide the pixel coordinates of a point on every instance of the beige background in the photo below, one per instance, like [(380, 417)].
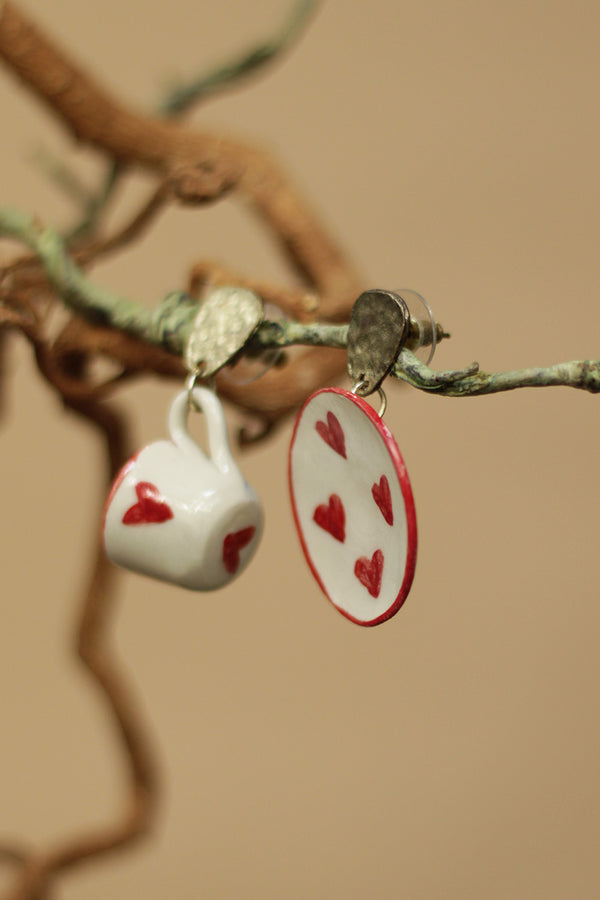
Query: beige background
[(453, 752)]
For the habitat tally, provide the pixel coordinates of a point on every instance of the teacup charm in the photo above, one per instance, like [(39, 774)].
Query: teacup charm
[(181, 516)]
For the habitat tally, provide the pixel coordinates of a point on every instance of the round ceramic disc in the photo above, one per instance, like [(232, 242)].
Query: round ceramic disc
[(353, 506)]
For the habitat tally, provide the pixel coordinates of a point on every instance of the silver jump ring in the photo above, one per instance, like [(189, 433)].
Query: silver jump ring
[(380, 391)]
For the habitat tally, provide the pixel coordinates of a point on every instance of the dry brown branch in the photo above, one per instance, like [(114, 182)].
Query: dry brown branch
[(193, 166), (13, 854), (36, 869), (94, 649), (131, 231), (301, 305), (198, 165), (29, 272)]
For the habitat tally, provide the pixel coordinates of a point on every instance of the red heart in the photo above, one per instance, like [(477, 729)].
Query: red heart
[(232, 545), (383, 499), (333, 434), (150, 508), (332, 517), (369, 572)]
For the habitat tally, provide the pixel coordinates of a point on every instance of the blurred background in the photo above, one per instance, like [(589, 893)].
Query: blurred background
[(452, 147)]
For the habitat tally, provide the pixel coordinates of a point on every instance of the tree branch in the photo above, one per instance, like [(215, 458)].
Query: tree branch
[(96, 653), (199, 166), (169, 326), (471, 382), (182, 98)]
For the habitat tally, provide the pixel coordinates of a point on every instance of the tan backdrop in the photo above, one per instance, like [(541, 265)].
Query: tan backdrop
[(453, 752)]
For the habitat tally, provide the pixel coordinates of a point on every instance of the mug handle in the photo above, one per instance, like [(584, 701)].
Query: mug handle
[(218, 440)]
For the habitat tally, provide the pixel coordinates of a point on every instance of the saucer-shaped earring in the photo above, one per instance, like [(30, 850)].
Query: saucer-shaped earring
[(351, 496)]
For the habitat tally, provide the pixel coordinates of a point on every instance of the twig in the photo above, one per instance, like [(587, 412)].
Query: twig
[(182, 98), (297, 304), (471, 382), (95, 651), (97, 203), (64, 177), (169, 326), (141, 220), (13, 854), (79, 293), (93, 646), (200, 166)]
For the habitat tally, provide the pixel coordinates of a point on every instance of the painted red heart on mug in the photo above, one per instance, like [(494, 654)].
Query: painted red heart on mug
[(150, 509), (332, 517), (233, 543)]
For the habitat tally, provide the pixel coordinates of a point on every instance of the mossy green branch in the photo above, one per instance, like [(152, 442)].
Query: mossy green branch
[(471, 382), (77, 291), (169, 325), (181, 98)]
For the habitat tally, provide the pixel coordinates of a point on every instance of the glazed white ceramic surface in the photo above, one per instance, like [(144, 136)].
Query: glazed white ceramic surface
[(353, 506), (179, 515)]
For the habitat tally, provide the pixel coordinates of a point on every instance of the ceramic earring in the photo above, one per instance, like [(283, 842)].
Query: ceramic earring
[(174, 512), (351, 496)]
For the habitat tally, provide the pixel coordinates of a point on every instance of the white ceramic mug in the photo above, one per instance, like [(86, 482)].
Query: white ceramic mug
[(181, 516)]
